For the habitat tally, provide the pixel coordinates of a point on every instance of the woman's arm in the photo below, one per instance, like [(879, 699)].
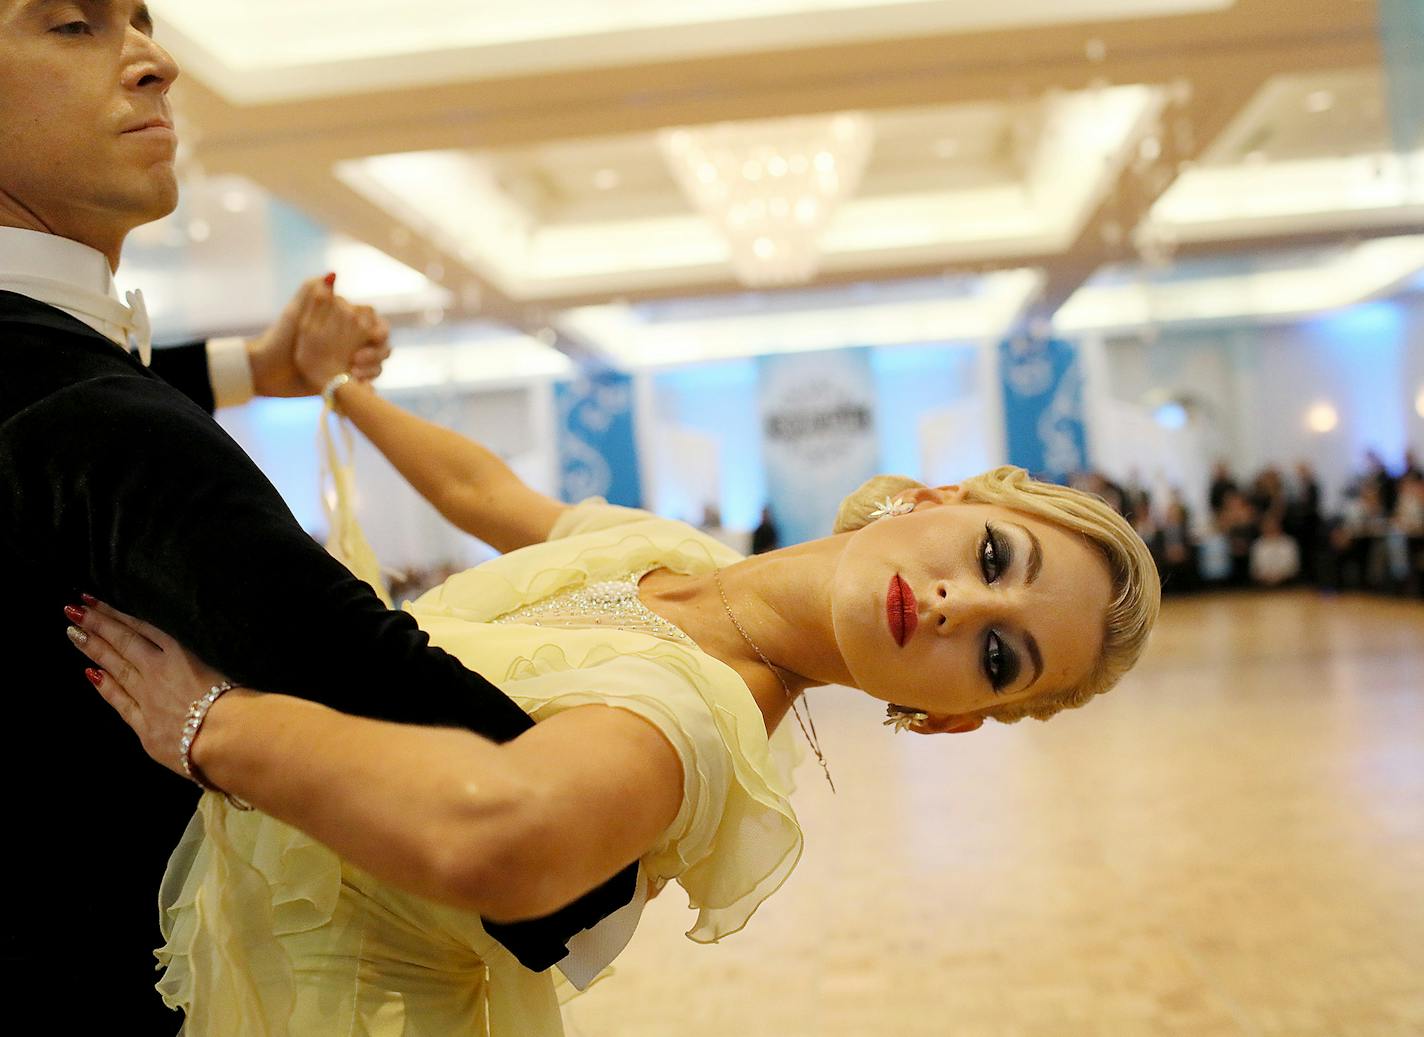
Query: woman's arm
[(511, 831), (468, 484)]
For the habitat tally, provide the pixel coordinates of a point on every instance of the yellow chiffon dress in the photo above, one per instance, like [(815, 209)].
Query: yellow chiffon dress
[(270, 934)]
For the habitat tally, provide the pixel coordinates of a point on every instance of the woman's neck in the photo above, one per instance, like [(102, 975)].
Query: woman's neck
[(781, 600)]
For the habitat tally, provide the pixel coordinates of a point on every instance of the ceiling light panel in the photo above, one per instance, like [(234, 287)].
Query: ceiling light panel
[(310, 48)]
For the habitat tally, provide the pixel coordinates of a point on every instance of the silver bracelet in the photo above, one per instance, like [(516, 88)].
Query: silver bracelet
[(197, 713), (328, 391)]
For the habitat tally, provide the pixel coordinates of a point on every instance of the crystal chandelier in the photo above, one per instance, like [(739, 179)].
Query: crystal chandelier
[(772, 186)]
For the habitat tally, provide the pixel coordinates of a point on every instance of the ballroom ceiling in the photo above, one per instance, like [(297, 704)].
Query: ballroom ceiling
[(511, 160)]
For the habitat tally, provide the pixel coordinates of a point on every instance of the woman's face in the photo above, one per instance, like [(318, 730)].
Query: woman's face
[(957, 608)]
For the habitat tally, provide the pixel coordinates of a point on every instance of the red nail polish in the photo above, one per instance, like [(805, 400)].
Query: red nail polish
[(75, 613), (89, 600), (96, 677), (330, 280)]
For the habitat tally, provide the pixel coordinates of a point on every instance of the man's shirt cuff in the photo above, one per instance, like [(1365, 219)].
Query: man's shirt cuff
[(230, 371)]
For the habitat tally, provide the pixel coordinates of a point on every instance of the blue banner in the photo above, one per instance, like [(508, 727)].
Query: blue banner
[(598, 455), (1043, 407), (818, 435)]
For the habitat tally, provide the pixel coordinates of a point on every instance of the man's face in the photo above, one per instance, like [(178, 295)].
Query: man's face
[(77, 80)]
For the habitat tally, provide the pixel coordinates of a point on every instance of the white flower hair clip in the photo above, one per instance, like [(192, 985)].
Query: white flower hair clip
[(891, 506)]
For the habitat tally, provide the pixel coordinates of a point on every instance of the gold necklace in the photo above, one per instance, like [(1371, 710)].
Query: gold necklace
[(810, 735)]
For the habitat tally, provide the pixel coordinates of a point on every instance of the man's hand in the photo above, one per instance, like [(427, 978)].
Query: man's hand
[(319, 335)]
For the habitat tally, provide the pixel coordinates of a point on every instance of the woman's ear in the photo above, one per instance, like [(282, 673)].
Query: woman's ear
[(953, 724), (930, 495)]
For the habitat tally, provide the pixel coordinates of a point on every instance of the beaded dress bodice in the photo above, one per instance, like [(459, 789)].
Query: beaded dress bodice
[(606, 603)]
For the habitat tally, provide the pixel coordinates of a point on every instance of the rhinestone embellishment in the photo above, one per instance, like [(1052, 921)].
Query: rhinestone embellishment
[(607, 603)]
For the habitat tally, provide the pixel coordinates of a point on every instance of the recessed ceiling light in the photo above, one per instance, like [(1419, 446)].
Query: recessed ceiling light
[(1318, 101), (607, 179), (235, 201)]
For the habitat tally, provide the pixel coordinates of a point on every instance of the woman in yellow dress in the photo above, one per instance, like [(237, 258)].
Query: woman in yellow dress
[(659, 664)]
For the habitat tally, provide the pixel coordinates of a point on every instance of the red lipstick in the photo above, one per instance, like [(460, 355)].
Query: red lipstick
[(901, 610)]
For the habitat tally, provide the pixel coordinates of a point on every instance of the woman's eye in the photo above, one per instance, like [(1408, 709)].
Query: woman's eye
[(991, 555), (73, 29), (1001, 665)]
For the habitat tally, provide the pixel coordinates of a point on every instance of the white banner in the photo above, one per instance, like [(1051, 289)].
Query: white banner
[(818, 435)]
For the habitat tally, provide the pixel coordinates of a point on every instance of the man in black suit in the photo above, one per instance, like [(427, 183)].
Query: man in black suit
[(119, 485)]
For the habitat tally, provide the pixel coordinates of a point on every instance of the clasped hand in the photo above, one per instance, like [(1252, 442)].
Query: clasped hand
[(318, 336)]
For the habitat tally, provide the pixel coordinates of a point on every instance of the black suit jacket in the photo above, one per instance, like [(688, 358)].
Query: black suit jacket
[(118, 485)]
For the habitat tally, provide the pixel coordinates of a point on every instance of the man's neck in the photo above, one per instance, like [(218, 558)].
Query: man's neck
[(17, 215)]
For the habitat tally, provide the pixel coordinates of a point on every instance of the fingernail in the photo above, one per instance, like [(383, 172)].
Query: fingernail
[(330, 280), (75, 613), (76, 635), (89, 600), (96, 677)]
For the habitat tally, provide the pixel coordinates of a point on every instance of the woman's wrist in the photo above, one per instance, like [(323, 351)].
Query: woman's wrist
[(330, 387), (342, 390), (210, 750)]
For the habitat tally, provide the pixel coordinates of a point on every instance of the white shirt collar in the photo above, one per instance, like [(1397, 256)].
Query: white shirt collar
[(76, 279)]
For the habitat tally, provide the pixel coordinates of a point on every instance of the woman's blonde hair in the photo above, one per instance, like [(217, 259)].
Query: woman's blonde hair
[(1136, 589)]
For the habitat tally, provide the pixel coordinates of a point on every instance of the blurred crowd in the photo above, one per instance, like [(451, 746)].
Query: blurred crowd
[(1272, 529)]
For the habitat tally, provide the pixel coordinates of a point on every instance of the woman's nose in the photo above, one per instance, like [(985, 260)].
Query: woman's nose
[(954, 605)]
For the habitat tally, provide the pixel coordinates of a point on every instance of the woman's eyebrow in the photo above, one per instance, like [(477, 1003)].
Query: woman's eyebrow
[(1035, 554), (1034, 655)]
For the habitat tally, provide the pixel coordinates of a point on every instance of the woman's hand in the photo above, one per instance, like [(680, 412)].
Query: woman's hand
[(149, 678)]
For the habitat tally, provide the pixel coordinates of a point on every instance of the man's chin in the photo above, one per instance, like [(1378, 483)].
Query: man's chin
[(160, 202)]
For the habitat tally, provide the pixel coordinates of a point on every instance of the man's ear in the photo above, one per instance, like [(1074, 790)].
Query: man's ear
[(951, 724)]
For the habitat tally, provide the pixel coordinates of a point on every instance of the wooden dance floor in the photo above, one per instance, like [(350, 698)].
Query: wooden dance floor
[(1231, 843)]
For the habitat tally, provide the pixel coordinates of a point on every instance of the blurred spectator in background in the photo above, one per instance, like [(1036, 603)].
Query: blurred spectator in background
[(1357, 541), (412, 583), (1411, 466), (1303, 518), (1236, 521), (1409, 521), (1222, 483), (1409, 507), (1268, 491), (1375, 478), (711, 524), (1174, 548), (766, 537), (1275, 556)]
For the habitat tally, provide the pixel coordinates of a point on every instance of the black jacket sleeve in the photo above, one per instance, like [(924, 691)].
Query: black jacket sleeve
[(186, 369), (155, 509)]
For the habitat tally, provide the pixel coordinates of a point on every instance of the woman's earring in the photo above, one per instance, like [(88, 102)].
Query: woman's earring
[(891, 506), (902, 718)]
